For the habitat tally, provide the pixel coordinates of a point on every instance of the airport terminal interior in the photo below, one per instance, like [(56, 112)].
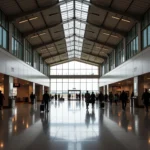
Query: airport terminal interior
[(60, 49)]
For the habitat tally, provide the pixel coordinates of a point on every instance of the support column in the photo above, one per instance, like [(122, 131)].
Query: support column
[(103, 89), (31, 89), (8, 89), (139, 89), (107, 89)]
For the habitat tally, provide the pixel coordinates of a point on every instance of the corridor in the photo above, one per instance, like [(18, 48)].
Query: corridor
[(69, 126)]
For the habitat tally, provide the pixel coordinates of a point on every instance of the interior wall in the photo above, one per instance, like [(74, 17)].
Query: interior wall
[(23, 91), (135, 66), (16, 68)]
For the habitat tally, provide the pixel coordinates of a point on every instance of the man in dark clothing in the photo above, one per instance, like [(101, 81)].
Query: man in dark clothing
[(32, 97), (101, 97), (87, 99), (93, 99), (46, 99), (145, 98), (111, 97), (124, 98), (106, 97), (1, 99), (55, 97)]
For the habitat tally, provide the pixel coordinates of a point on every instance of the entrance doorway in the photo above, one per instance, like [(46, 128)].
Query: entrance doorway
[(74, 94)]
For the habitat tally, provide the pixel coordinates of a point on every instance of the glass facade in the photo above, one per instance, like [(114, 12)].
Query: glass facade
[(36, 60), (146, 30), (119, 54), (132, 42), (61, 86), (46, 69), (111, 61), (74, 68), (28, 53), (3, 31), (17, 43)]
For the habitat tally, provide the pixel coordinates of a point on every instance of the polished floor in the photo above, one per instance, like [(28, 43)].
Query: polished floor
[(69, 126)]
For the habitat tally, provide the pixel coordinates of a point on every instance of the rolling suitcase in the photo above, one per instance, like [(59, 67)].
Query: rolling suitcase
[(42, 107)]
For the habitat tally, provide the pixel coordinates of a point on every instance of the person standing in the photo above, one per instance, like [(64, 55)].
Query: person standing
[(123, 98), (46, 99), (55, 97), (2, 98), (145, 98), (106, 97), (93, 99), (111, 97), (87, 99), (32, 97), (116, 98)]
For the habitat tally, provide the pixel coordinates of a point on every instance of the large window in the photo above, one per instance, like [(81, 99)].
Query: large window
[(132, 42), (111, 61), (28, 53), (146, 30), (17, 43), (119, 54), (61, 86), (36, 60), (3, 31), (74, 68)]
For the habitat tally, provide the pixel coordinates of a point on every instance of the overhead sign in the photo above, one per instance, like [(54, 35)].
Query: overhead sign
[(16, 85)]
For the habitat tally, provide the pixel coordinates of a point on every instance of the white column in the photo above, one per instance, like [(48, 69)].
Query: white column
[(8, 89)]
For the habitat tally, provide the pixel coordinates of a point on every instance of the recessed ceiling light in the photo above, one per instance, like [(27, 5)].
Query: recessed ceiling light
[(98, 47), (125, 20), (33, 18), (115, 36), (106, 33), (105, 49), (23, 21), (117, 18), (42, 34), (34, 36)]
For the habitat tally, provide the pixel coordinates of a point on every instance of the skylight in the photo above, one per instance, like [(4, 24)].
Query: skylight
[(74, 29)]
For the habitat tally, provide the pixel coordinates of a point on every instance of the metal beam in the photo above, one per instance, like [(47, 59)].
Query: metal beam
[(90, 61), (97, 42), (74, 19), (51, 56), (108, 9), (45, 28), (14, 17), (47, 43)]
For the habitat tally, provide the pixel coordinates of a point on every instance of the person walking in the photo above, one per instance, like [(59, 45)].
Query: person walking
[(55, 97), (124, 98), (101, 100), (145, 98), (87, 99), (93, 99), (46, 99), (116, 98), (32, 97), (2, 98), (111, 97)]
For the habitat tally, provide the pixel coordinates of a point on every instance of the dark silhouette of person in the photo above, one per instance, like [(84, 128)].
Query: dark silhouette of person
[(124, 98), (101, 97), (87, 99), (55, 97), (2, 98), (116, 98), (111, 97), (145, 98), (93, 99), (106, 97), (46, 99), (32, 97)]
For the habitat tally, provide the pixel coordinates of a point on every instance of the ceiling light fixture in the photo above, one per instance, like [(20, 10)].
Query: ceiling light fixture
[(125, 20), (23, 21), (50, 47), (34, 18), (115, 36), (117, 18), (105, 49), (42, 34), (34, 36)]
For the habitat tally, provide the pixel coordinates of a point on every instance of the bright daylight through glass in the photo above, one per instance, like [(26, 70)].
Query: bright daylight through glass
[(73, 13)]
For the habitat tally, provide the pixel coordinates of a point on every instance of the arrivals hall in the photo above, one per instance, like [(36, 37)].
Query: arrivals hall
[(74, 74)]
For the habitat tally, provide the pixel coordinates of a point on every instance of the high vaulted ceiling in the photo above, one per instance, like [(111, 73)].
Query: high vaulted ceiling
[(83, 30)]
